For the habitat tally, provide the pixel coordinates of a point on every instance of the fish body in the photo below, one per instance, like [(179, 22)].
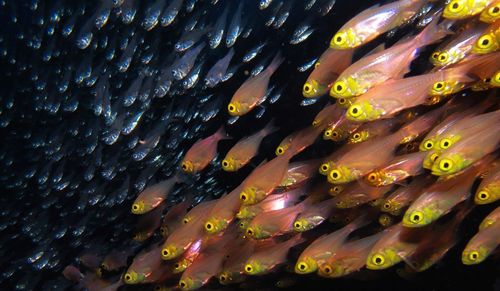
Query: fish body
[(153, 196), (202, 152), (481, 245), (405, 195), (491, 13), (489, 41), (489, 189), (398, 169), (270, 203), (275, 222), (462, 9)]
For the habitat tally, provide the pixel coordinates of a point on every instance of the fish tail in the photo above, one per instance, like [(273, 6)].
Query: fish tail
[(270, 128), (275, 63), (434, 31), (222, 134)]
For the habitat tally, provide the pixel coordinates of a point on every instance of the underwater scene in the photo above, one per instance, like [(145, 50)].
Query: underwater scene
[(250, 144)]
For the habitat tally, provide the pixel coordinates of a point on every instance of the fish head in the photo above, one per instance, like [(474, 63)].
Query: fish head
[(362, 111), (421, 217), (475, 255), (345, 39), (235, 108), (306, 265), (346, 87), (495, 80), (449, 164), (430, 159), (281, 149), (215, 225), (306, 223), (446, 58), (257, 232), (448, 141), (434, 58), (249, 196), (390, 205), (181, 265), (324, 168), (427, 144), (140, 236), (378, 178), (243, 224), (457, 9), (446, 87), (244, 213), (171, 251), (164, 231), (229, 165), (229, 277), (139, 207), (341, 175), (382, 259), (487, 222), (345, 102), (487, 194), (485, 44), (132, 277), (187, 167), (313, 89), (336, 190), (359, 136), (254, 267), (189, 283), (491, 14), (385, 220)]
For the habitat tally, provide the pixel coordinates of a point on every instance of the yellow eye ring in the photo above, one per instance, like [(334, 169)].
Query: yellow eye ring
[(339, 87), (302, 266), (225, 163), (248, 268), (416, 216), (243, 197), (231, 108), (494, 11), (250, 231), (316, 65), (209, 226), (378, 260), (445, 164), (325, 167), (456, 6), (328, 132), (484, 41), (327, 269), (297, 225), (355, 110), (135, 207), (165, 252), (342, 101), (443, 57), (335, 175), (438, 86), (307, 88), (372, 177), (474, 255), (182, 284), (338, 39), (483, 196), (387, 205), (280, 151), (356, 136), (435, 55), (434, 157), (445, 143), (428, 144)]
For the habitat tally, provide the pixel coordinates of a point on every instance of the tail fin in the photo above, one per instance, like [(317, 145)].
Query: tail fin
[(269, 128), (275, 63), (221, 134)]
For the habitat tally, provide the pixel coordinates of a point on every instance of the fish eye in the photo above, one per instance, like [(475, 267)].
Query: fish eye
[(307, 88), (316, 65), (339, 39), (494, 11), (231, 108), (328, 132), (378, 260), (428, 144), (242, 224), (128, 278), (416, 216), (372, 177), (209, 226), (483, 195), (445, 143), (135, 207), (297, 225), (456, 6), (435, 55), (248, 268), (280, 151), (165, 252), (327, 269), (302, 266), (342, 101), (387, 205), (443, 57), (438, 86), (335, 175), (473, 256), (445, 164), (325, 167), (177, 265), (356, 136), (225, 163), (182, 284), (337, 189), (335, 133), (484, 41), (339, 87), (355, 110), (243, 196), (222, 278)]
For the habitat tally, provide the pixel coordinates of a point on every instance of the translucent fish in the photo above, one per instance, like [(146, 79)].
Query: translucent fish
[(405, 195), (370, 130), (148, 223), (242, 152), (202, 152), (314, 215), (264, 261), (481, 245), (145, 268), (461, 9), (275, 222), (170, 13), (358, 194), (215, 36), (379, 67), (203, 268), (173, 218), (271, 202), (153, 196), (491, 13), (183, 65), (152, 15), (298, 173), (489, 41), (235, 27), (252, 53), (398, 169), (328, 115), (491, 219), (307, 65), (250, 94), (374, 21), (326, 70), (216, 74), (223, 212), (324, 247), (489, 189), (340, 129)]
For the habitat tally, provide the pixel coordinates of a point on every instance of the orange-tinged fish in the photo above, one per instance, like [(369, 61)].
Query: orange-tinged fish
[(495, 80), (148, 223), (491, 13), (252, 92), (264, 179), (349, 258), (405, 195), (466, 152), (271, 202), (173, 218), (275, 222), (492, 219), (325, 246), (459, 47), (420, 125), (115, 260), (298, 141), (481, 245), (442, 197), (145, 267), (359, 193), (246, 148), (328, 115), (489, 41), (461, 9), (153, 195), (199, 211), (397, 170), (328, 162), (264, 261), (326, 70), (232, 270), (373, 129), (340, 129), (391, 63), (489, 189), (182, 238), (374, 21), (298, 173), (314, 215), (223, 212), (202, 269), (202, 152), (188, 257)]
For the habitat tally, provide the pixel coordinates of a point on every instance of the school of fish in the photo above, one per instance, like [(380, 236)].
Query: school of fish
[(170, 146)]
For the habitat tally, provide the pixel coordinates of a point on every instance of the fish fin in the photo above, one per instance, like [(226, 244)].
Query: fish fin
[(222, 134), (377, 49), (275, 63), (270, 128)]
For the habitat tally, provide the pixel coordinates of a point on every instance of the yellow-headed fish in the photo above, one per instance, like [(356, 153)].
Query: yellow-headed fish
[(153, 196), (202, 269), (359, 193), (173, 218), (373, 129), (202, 152), (223, 212), (481, 245), (405, 195), (299, 173), (396, 170), (148, 223), (328, 115), (489, 189), (489, 41), (492, 219), (461, 9), (272, 202), (146, 267), (491, 13), (314, 215)]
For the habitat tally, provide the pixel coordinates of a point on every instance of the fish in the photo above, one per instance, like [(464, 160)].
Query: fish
[(202, 152), (489, 189), (243, 151), (217, 73), (146, 268), (183, 65), (441, 197), (349, 258), (315, 254), (299, 173), (148, 223), (491, 13), (235, 27), (481, 245), (298, 141), (223, 212), (329, 162), (374, 21), (378, 67), (153, 196), (115, 260), (190, 255), (372, 129), (400, 168), (270, 203), (250, 94), (170, 13), (326, 70), (491, 219), (217, 33), (232, 270), (488, 42), (403, 196), (462, 9), (359, 193), (314, 215), (173, 218), (340, 130), (264, 261), (327, 116)]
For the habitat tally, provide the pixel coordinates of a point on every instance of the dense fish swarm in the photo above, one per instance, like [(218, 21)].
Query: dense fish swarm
[(180, 144)]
